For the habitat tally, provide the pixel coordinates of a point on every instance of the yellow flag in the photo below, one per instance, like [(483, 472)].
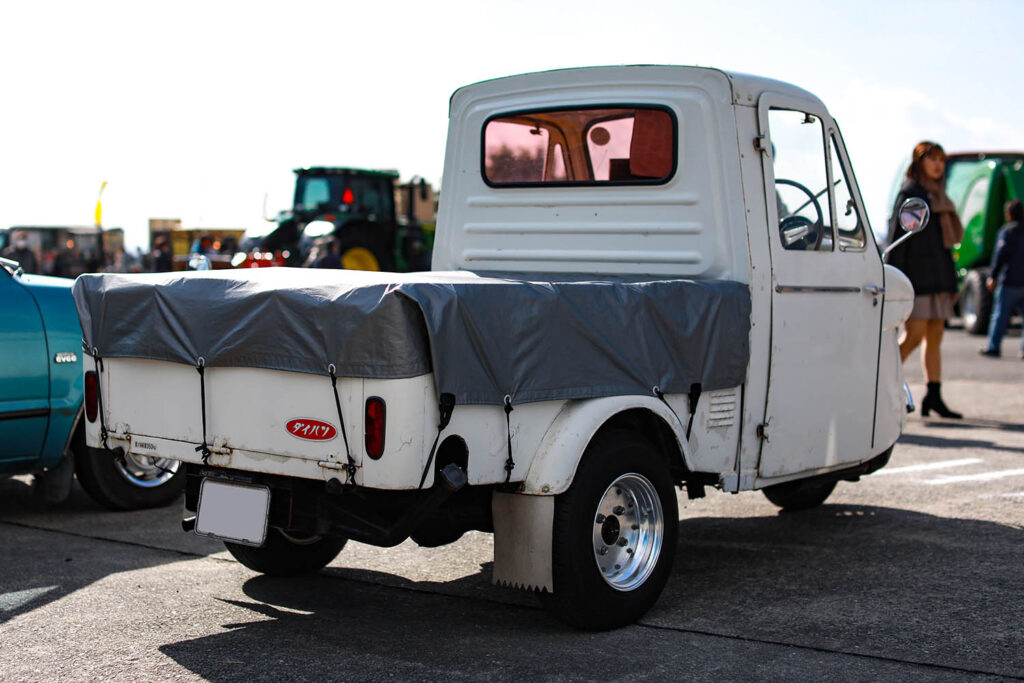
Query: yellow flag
[(99, 205)]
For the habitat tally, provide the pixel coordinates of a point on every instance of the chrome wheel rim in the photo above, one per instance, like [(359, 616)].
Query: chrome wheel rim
[(629, 529), (970, 315), (146, 471)]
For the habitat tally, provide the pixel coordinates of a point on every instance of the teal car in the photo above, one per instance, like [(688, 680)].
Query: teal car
[(41, 403)]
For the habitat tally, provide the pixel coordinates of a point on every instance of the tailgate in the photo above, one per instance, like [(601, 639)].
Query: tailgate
[(267, 420)]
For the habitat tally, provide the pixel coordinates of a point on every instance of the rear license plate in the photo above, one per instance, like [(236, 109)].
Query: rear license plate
[(233, 512)]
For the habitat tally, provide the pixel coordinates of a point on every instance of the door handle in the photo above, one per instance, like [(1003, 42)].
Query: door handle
[(874, 289)]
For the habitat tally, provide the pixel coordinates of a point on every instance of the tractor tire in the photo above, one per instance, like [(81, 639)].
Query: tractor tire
[(365, 246)]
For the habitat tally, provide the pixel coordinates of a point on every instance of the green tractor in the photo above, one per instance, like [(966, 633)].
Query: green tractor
[(980, 183), (358, 210)]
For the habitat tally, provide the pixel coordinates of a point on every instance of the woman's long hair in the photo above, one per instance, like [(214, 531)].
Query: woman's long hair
[(922, 150)]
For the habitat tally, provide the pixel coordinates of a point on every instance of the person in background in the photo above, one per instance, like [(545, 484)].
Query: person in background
[(927, 260), (19, 251), (1006, 278), (162, 257), (330, 259), (203, 245)]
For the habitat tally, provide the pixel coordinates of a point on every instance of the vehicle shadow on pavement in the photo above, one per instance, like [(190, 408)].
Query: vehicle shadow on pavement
[(868, 584), (858, 579), (970, 423), (56, 545), (943, 442)]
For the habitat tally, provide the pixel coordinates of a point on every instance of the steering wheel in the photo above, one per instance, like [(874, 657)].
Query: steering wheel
[(800, 232)]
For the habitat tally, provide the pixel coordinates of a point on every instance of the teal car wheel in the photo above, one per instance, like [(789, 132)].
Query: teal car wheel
[(128, 483)]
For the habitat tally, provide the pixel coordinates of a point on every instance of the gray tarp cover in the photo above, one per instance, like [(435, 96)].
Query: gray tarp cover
[(533, 338)]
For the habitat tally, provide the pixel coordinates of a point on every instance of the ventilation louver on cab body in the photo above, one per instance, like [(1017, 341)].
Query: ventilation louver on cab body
[(721, 408)]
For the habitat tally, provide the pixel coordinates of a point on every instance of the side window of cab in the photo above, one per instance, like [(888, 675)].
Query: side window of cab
[(799, 164), (849, 223)]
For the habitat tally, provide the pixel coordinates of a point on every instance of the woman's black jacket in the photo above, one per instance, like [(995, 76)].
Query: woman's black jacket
[(923, 258)]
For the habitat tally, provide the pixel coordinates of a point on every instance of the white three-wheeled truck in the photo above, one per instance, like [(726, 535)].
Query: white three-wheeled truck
[(643, 277)]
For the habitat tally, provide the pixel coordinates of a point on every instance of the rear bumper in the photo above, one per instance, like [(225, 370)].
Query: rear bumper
[(381, 518)]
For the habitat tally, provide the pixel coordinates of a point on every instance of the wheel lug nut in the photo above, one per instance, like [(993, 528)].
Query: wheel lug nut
[(635, 527), (622, 542), (629, 551), (618, 566), (603, 550), (619, 510), (599, 519)]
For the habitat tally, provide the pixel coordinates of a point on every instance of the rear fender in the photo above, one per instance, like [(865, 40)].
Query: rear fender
[(554, 464)]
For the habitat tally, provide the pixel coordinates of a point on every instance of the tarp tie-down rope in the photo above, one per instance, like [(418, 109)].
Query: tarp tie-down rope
[(203, 448), (446, 407), (693, 396), (510, 464), (98, 364), (694, 489), (99, 392), (350, 468)]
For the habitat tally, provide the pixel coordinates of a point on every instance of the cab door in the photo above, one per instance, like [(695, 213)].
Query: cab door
[(24, 376), (826, 296)]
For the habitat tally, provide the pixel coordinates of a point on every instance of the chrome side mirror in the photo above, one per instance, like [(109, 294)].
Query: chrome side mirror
[(913, 215)]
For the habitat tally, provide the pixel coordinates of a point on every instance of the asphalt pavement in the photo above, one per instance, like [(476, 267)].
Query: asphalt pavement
[(913, 573)]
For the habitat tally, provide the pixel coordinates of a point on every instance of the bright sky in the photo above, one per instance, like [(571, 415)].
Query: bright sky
[(195, 110)]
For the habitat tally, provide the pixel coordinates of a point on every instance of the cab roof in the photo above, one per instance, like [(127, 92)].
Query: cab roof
[(745, 88)]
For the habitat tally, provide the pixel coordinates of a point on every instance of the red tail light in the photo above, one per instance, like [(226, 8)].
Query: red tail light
[(92, 395), (376, 417), (347, 197)]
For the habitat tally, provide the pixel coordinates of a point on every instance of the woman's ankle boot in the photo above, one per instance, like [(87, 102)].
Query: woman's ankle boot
[(933, 401)]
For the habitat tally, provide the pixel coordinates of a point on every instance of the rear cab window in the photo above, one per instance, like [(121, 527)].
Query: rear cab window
[(581, 146)]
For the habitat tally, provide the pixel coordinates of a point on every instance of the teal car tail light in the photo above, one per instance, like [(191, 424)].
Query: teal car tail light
[(92, 396)]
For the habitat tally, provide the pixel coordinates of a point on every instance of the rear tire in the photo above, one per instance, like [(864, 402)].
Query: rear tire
[(975, 303), (799, 495), (614, 536), (283, 555), (365, 245), (134, 483)]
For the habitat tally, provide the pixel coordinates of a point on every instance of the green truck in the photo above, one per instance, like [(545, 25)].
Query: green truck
[(980, 183)]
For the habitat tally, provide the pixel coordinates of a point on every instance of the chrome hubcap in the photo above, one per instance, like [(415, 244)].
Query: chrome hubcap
[(146, 471), (629, 528)]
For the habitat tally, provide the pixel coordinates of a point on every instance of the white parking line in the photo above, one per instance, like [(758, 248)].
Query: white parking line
[(941, 465), (12, 601), (984, 476)]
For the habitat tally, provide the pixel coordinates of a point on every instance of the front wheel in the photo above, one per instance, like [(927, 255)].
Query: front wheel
[(284, 554), (614, 535), (799, 495)]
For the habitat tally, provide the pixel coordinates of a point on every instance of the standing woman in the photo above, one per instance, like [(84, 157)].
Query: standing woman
[(928, 261)]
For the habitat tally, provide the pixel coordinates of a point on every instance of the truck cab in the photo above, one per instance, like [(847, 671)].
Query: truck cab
[(716, 176)]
